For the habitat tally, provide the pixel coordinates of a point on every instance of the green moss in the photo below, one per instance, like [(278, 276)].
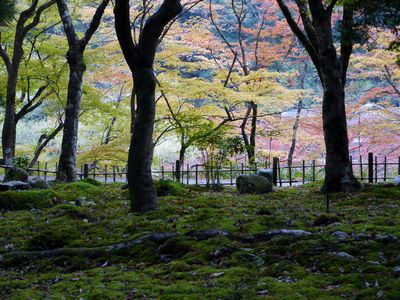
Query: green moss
[(170, 188), (222, 267), (39, 199), (91, 181)]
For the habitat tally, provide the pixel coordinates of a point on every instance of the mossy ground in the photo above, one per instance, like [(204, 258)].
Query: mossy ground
[(218, 268)]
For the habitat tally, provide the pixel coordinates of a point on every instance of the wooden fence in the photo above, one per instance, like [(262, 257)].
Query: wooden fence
[(371, 170)]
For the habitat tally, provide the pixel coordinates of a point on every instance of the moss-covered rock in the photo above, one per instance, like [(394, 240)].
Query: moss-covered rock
[(12, 200), (170, 188)]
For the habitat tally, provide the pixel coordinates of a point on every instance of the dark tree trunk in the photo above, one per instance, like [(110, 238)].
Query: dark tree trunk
[(9, 126), (67, 163), (140, 59), (317, 38), (250, 143), (338, 170), (141, 147)]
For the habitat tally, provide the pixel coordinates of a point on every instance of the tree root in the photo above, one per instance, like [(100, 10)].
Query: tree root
[(157, 237)]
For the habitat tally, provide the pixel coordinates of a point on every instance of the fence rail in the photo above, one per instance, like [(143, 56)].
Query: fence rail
[(371, 170)]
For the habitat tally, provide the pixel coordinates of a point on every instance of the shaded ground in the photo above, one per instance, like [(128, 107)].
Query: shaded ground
[(353, 252)]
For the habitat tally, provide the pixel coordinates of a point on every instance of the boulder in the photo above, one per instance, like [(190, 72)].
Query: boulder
[(397, 181), (38, 183), (16, 174), (267, 173), (14, 185), (253, 184)]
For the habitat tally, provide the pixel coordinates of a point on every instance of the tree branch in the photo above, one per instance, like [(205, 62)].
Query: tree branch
[(38, 14), (122, 27), (300, 35), (94, 24), (153, 29)]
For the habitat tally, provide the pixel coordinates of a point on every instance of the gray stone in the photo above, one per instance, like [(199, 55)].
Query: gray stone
[(362, 236), (14, 185), (83, 201), (38, 183), (343, 255), (397, 181), (267, 173), (253, 184), (340, 235), (385, 238), (16, 174)]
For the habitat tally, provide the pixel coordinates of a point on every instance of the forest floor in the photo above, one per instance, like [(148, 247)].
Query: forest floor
[(209, 245)]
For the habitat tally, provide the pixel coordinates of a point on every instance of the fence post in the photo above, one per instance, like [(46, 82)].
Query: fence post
[(304, 172), (81, 174), (105, 173), (45, 171), (361, 169), (290, 174), (188, 174), (113, 170), (384, 168), (275, 162), (231, 173), (85, 170), (279, 173), (376, 169), (255, 167), (178, 171), (242, 171), (197, 174), (162, 172), (370, 167), (313, 171), (38, 169), (398, 171)]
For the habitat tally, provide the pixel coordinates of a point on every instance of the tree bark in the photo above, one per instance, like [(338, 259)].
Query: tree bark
[(140, 58), (294, 132), (67, 164), (250, 143)]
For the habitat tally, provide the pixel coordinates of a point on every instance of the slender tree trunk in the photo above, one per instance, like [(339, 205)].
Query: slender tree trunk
[(69, 145), (43, 143), (253, 133), (250, 144), (294, 132)]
